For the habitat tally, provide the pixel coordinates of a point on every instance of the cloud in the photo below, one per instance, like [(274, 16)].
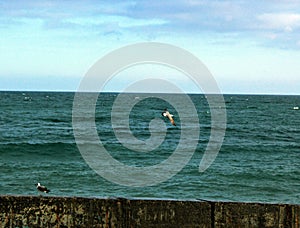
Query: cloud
[(191, 16), (122, 21), (286, 22)]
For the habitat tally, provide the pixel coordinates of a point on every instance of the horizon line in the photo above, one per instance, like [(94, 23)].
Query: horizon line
[(133, 92)]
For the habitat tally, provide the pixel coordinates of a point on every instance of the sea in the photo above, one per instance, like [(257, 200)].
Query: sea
[(259, 160)]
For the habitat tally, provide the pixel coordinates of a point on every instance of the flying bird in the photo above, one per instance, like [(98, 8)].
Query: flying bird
[(42, 188), (170, 116)]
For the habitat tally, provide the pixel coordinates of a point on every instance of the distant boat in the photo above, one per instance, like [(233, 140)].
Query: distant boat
[(296, 108)]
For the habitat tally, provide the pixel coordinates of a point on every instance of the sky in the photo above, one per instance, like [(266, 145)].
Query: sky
[(249, 46)]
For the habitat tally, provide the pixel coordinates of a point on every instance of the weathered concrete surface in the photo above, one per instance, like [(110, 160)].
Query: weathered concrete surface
[(169, 213), (32, 211), (35, 211), (256, 215)]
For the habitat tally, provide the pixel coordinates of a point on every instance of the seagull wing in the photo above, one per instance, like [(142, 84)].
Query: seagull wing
[(170, 116), (171, 119)]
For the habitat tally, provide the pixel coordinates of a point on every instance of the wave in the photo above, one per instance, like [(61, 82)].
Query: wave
[(56, 120), (29, 151)]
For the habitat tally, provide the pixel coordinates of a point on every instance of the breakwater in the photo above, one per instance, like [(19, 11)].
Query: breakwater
[(39, 211)]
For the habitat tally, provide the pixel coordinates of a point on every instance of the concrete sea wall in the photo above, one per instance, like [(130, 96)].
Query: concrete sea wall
[(38, 211)]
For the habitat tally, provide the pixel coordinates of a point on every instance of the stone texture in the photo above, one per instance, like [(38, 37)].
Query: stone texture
[(29, 211), (169, 213), (252, 215), (38, 211)]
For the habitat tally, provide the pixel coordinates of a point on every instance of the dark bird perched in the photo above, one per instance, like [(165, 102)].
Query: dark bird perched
[(42, 188), (170, 116)]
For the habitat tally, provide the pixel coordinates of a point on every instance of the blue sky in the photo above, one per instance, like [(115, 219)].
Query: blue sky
[(249, 46)]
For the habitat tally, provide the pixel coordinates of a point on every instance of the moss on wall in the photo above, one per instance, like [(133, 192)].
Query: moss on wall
[(38, 211)]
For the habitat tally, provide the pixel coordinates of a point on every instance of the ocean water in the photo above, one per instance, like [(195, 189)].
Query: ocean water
[(259, 160)]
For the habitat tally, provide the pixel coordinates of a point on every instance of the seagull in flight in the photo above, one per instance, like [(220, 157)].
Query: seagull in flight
[(170, 116), (42, 188)]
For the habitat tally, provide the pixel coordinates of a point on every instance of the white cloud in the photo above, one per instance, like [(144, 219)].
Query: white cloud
[(122, 21), (287, 22)]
